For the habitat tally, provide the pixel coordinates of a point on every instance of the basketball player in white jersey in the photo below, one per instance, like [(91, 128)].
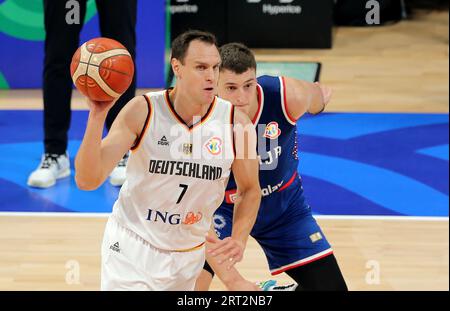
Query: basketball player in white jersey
[(183, 149)]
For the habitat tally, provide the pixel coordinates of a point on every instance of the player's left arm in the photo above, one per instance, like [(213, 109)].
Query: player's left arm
[(303, 96), (246, 174)]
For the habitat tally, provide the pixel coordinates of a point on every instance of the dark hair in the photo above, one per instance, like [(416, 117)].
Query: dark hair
[(237, 58), (181, 43)]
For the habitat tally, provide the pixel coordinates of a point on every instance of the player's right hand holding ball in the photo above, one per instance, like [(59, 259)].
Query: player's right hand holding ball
[(102, 69)]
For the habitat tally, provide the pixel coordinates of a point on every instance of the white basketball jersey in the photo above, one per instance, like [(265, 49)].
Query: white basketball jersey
[(176, 174)]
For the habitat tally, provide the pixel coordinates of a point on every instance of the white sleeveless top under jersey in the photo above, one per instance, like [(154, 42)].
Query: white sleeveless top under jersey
[(176, 175)]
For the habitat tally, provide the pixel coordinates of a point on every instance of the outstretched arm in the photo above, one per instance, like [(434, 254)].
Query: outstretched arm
[(303, 96)]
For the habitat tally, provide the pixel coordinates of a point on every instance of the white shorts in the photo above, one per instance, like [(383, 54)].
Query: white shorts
[(131, 263)]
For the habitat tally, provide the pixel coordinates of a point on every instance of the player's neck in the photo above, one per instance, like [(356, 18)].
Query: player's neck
[(186, 108)]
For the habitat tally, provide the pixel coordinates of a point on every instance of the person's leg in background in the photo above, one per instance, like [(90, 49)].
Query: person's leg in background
[(61, 42), (118, 21), (320, 275), (296, 245)]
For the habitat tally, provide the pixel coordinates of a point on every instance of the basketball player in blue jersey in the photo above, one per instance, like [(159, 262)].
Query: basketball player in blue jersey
[(285, 228), (155, 237)]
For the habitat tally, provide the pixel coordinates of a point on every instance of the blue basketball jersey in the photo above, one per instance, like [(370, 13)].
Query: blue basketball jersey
[(284, 227), (277, 142)]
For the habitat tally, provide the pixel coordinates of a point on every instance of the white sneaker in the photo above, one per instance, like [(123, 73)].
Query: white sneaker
[(51, 168), (118, 175)]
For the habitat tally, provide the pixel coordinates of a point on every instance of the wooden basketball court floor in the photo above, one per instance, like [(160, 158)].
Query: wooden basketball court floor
[(398, 68)]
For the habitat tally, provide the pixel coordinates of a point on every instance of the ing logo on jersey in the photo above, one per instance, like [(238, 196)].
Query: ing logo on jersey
[(192, 218), (214, 145), (174, 219), (272, 130)]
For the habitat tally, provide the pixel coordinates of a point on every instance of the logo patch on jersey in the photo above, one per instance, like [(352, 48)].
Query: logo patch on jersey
[(271, 189), (115, 247), (219, 222), (272, 130), (187, 149), (214, 145), (163, 141), (174, 219), (231, 196), (192, 218), (315, 237)]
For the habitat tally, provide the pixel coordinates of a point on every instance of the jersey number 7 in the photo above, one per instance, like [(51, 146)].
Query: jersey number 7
[(182, 192)]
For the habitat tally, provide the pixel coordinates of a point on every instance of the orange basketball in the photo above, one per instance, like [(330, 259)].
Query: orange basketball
[(102, 69)]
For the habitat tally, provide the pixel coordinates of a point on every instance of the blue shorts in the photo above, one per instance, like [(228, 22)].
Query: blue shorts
[(285, 229)]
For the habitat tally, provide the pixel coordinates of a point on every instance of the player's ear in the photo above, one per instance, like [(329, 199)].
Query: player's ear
[(176, 67)]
